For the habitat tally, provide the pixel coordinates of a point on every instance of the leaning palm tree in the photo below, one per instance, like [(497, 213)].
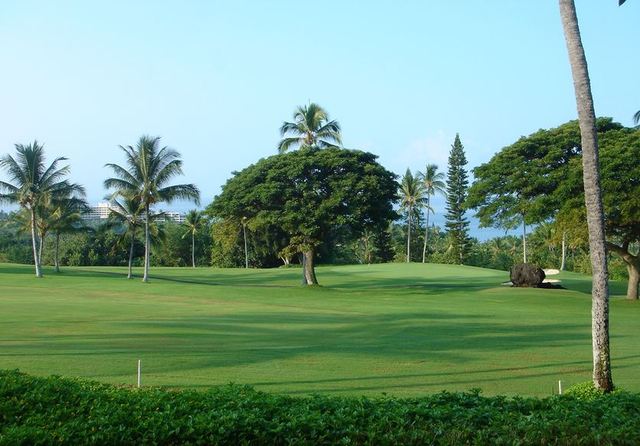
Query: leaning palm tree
[(193, 222), (636, 118), (433, 182), (311, 129), (34, 186), (412, 198), (593, 197), (149, 169)]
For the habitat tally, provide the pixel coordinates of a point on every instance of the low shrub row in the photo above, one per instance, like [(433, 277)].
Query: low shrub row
[(55, 410)]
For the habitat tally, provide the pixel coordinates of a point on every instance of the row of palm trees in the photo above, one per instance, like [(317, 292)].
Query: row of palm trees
[(54, 205), (415, 194)]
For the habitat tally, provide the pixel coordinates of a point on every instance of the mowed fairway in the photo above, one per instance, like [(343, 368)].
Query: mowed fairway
[(406, 330)]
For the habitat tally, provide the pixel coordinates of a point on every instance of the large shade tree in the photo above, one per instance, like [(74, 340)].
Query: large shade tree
[(149, 168), (434, 183), (307, 194), (413, 198), (35, 187), (311, 128)]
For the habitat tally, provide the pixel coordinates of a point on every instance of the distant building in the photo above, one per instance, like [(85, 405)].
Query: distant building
[(99, 212), (102, 210)]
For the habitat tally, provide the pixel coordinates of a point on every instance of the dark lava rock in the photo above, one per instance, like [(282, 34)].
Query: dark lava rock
[(527, 275)]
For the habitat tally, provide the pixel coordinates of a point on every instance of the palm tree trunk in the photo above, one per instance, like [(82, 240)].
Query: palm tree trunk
[(564, 250), (409, 235), (129, 275), (524, 240), (145, 277), (308, 268), (55, 254), (593, 198), (193, 249), (426, 233), (34, 241)]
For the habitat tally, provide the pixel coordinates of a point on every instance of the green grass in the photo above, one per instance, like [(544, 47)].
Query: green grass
[(406, 330)]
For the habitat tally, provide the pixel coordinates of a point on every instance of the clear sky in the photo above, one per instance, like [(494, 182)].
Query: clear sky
[(216, 79)]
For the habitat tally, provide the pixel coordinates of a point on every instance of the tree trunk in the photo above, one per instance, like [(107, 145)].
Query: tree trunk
[(55, 253), (633, 267), (34, 242), (634, 280), (193, 249), (409, 236), (308, 268), (129, 275), (426, 233), (524, 240), (145, 277), (564, 250), (41, 246), (593, 198), (246, 253)]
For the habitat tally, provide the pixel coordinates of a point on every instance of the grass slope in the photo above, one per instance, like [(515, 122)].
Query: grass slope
[(406, 330)]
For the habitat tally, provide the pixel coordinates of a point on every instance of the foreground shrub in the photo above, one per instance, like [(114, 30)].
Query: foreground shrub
[(54, 410)]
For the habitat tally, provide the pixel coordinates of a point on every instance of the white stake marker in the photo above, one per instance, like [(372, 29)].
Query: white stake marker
[(139, 372)]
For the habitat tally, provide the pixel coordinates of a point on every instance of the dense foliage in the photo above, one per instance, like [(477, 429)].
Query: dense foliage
[(307, 196), (36, 410)]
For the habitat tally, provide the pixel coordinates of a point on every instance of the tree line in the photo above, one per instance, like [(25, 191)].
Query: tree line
[(322, 203)]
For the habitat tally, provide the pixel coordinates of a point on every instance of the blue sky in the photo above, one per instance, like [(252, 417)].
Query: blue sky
[(217, 79)]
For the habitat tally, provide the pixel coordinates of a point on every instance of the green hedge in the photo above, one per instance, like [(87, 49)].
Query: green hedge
[(54, 410)]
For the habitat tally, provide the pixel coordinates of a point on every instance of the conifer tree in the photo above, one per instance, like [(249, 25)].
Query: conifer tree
[(457, 185)]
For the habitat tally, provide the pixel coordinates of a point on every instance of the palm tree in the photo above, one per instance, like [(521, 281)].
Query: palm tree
[(636, 118), (128, 212), (193, 222), (433, 182), (34, 186), (67, 219), (593, 197), (149, 169), (412, 198), (311, 128)]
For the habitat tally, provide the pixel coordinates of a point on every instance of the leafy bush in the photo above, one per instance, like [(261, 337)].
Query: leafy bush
[(54, 410)]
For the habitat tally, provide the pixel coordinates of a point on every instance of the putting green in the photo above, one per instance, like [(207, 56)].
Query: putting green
[(401, 329)]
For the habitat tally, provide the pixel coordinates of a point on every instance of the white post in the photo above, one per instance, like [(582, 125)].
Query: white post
[(559, 387), (139, 372)]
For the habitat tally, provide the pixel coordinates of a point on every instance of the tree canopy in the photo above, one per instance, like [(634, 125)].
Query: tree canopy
[(309, 193)]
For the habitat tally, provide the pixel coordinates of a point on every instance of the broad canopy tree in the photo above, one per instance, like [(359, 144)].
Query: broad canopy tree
[(307, 194), (540, 177)]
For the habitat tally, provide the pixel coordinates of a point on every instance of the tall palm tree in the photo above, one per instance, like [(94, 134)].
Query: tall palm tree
[(593, 197), (128, 212), (34, 186), (433, 182), (636, 118), (149, 169), (193, 222), (412, 197), (311, 128)]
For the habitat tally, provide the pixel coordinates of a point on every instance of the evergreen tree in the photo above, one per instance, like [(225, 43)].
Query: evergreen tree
[(457, 184)]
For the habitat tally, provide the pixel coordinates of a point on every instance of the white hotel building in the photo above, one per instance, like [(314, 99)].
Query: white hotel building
[(102, 210)]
